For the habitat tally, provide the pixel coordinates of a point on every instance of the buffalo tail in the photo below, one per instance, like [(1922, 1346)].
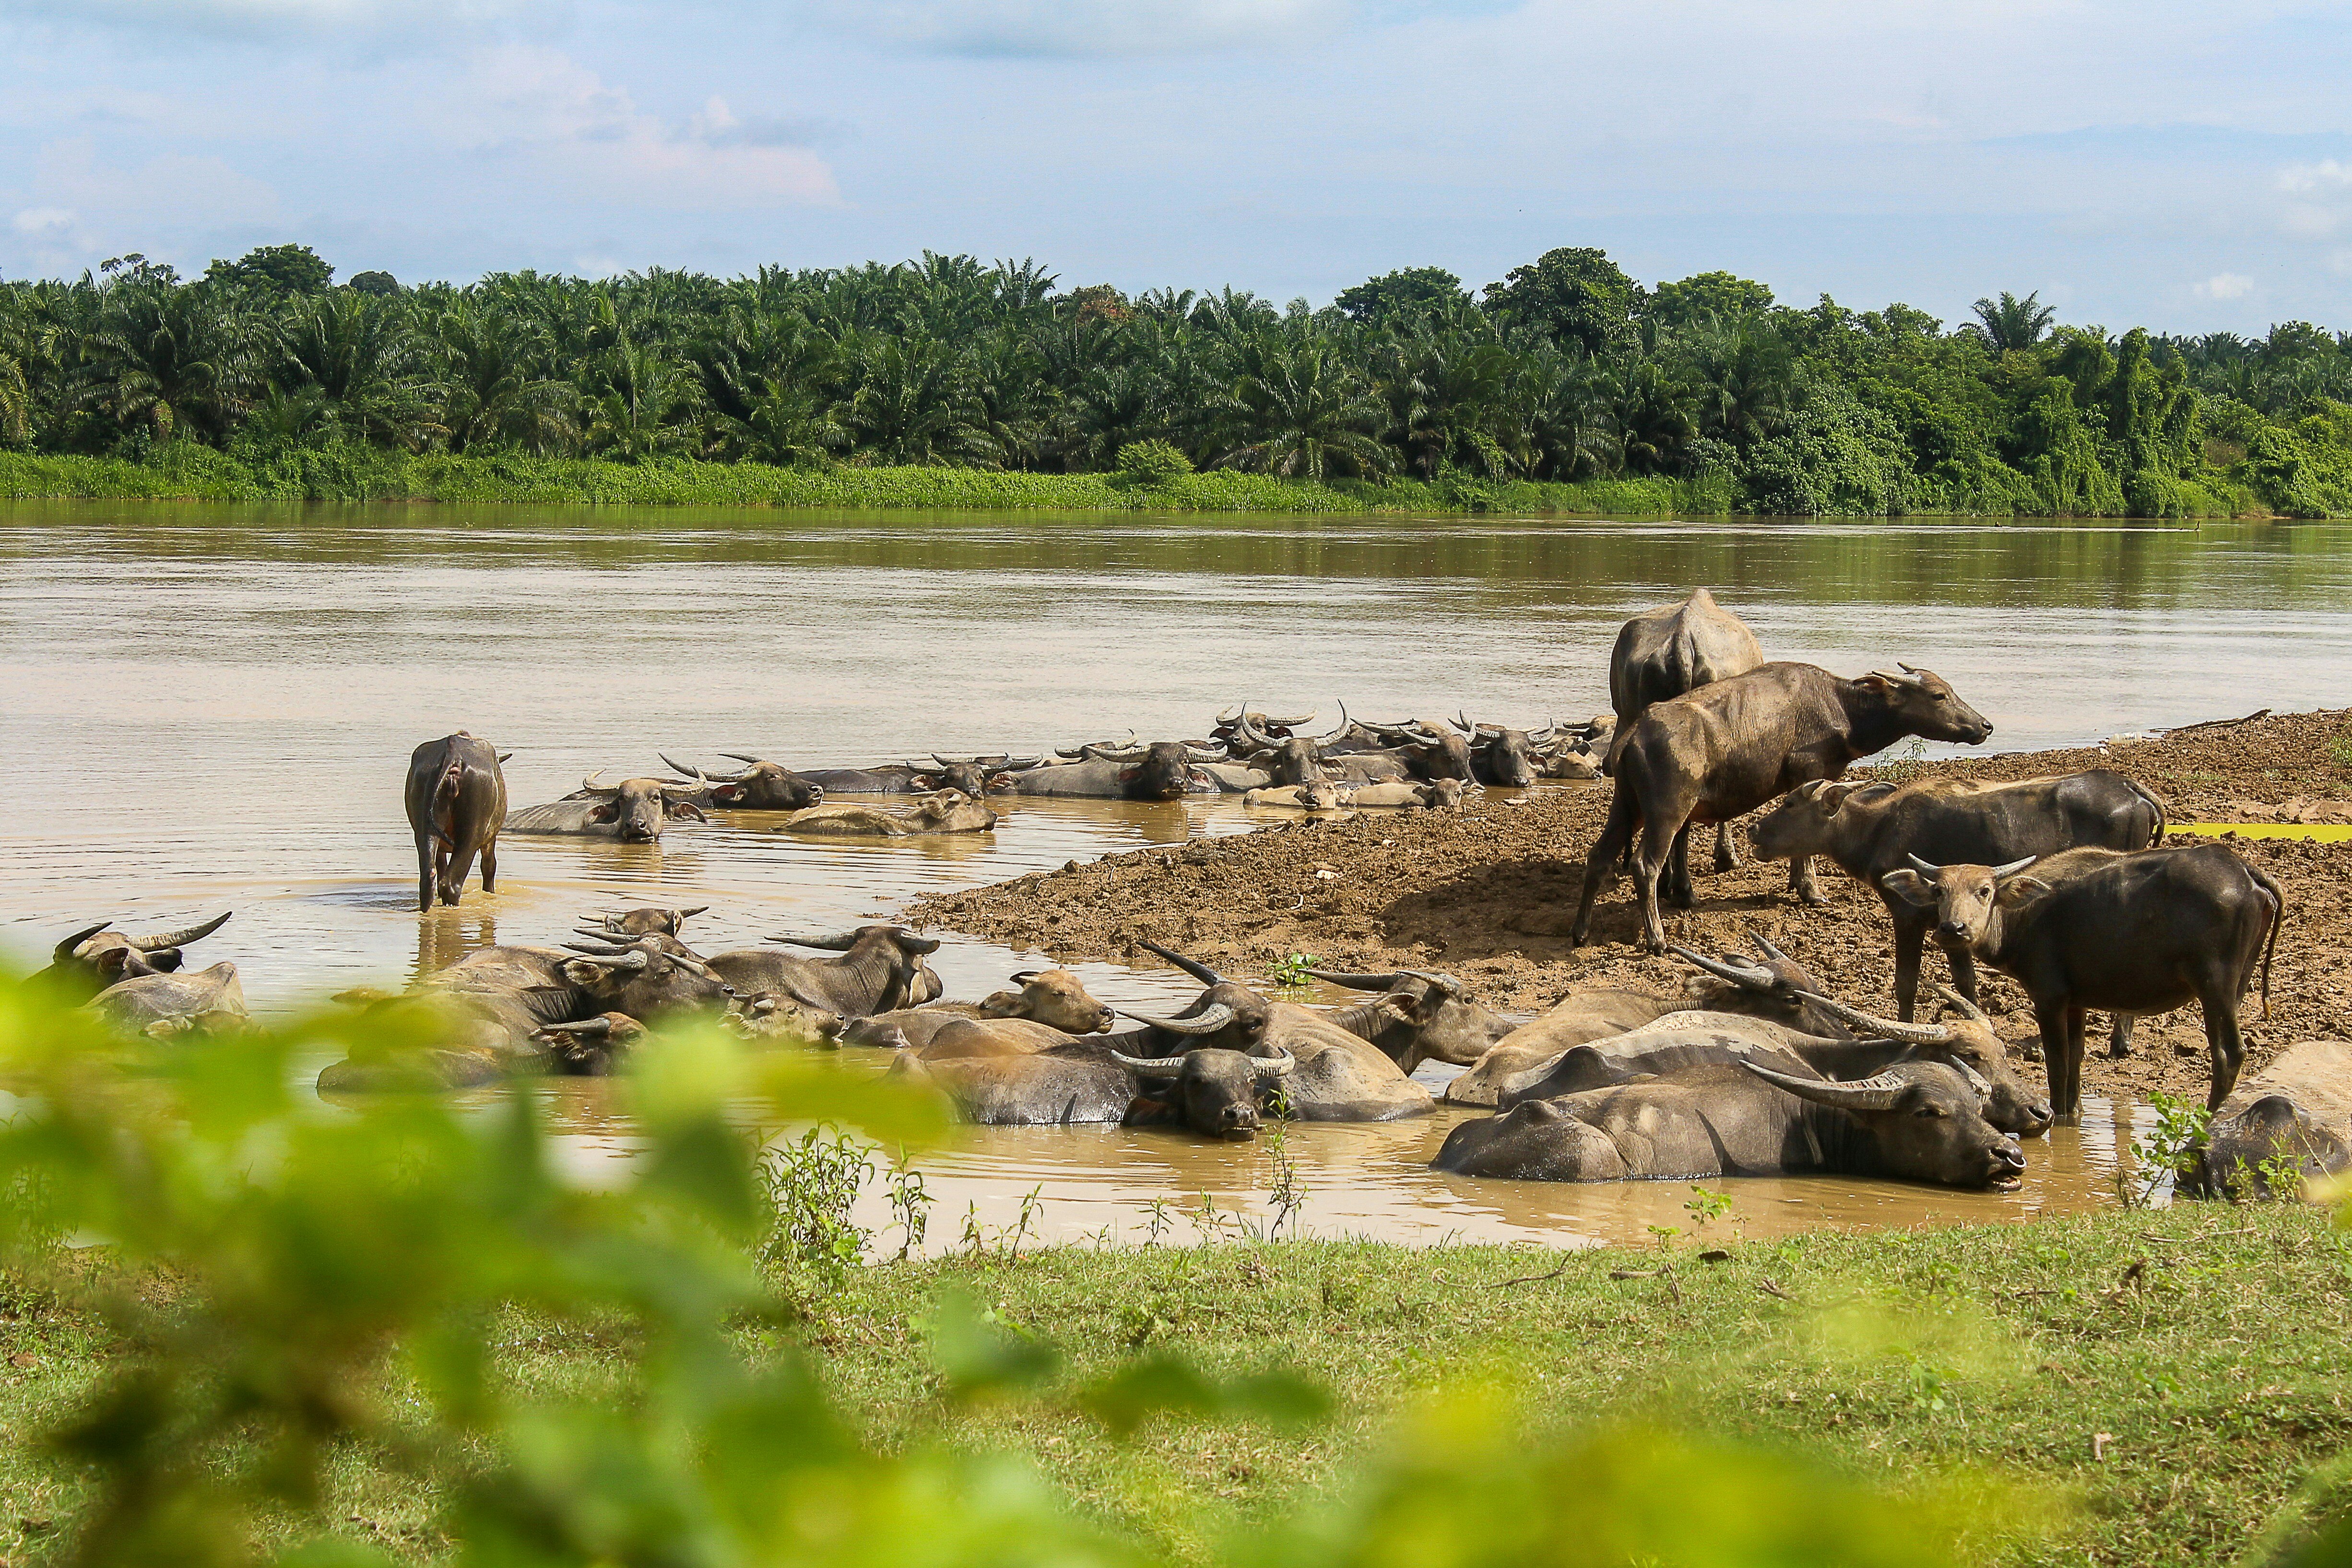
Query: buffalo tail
[(2156, 840), (2278, 918)]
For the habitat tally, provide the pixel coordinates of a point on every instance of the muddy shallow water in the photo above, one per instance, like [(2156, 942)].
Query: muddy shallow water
[(211, 708)]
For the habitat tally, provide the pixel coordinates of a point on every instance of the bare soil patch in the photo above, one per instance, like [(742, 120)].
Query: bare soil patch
[(1489, 892)]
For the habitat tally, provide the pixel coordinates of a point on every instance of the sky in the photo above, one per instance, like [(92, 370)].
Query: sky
[(2182, 166)]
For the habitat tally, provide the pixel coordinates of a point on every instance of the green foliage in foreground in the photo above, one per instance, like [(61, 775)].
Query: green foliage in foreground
[(188, 472), (338, 1336), (1568, 372)]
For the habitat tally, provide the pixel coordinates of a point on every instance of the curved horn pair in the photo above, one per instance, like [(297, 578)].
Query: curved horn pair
[(1199, 971), (1999, 871), (180, 939), (1211, 1018), (706, 778), (1887, 1028), (1170, 1066), (1874, 1094), (1757, 978)]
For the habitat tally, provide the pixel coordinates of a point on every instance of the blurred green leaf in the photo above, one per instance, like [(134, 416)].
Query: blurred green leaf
[(980, 1355)]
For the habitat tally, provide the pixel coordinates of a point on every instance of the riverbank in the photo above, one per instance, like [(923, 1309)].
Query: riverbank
[(1488, 893), (191, 472), (2158, 1389)]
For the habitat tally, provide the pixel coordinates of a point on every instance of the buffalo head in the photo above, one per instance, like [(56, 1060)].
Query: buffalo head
[(763, 786), (1163, 770), (1922, 703), (1212, 1091), (95, 957), (769, 1015), (1807, 821), (649, 978), (1926, 1122), (637, 810), (1968, 899), (1966, 1041), (1054, 998)]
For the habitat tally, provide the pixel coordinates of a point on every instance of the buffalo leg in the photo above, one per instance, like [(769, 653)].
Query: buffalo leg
[(2218, 1000), (490, 865), (1658, 843), (1726, 848), (2062, 1046), (1801, 882), (1678, 876), (1964, 971), (1910, 942), (426, 879), (1600, 866), (2119, 1027), (453, 876)]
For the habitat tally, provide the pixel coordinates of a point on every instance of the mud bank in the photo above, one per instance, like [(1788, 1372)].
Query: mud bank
[(1487, 891)]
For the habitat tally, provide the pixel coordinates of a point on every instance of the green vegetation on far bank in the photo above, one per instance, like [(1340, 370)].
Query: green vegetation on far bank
[(1410, 392), (186, 471)]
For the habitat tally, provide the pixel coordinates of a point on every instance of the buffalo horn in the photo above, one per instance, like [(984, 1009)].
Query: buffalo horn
[(1356, 982), (1345, 723), (181, 938), (841, 942), (1999, 871), (630, 960), (1205, 754), (1976, 1080), (1274, 1066), (912, 943), (67, 949), (1876, 1093), (590, 784), (1891, 679), (1754, 979), (1291, 721), (596, 1026), (1211, 1018), (1149, 1066), (1968, 1008), (1199, 971), (744, 756), (1443, 981), (1887, 1028), (1121, 754), (1248, 734), (698, 773), (1764, 946), (604, 946), (1925, 868)]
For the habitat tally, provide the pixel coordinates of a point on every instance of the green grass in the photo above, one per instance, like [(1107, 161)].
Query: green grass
[(2206, 1345)]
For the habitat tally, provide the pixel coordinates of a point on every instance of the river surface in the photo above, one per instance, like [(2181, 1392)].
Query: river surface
[(211, 708)]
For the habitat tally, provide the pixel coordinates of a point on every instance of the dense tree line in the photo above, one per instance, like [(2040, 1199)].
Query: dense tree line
[(1566, 370)]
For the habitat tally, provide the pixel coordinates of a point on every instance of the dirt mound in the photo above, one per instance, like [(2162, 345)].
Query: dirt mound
[(1489, 892)]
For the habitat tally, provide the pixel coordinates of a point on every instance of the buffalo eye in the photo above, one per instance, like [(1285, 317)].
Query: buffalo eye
[(1930, 1111)]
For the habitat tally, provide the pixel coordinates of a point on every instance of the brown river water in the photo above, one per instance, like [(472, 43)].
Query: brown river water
[(211, 708)]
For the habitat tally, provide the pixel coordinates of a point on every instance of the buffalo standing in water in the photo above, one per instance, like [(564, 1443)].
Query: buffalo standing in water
[(456, 800)]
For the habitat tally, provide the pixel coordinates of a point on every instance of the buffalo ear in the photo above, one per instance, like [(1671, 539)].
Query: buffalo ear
[(603, 814), (1910, 887), (1145, 1112), (1404, 1005), (583, 973), (2017, 890), (687, 810), (1128, 774), (922, 781)]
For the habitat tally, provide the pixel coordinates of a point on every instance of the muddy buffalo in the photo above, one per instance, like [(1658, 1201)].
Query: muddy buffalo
[(875, 970), (2289, 1124), (1918, 1121), (635, 810), (1871, 829), (1054, 998), (1421, 1016), (947, 811), (457, 801), (164, 1005), (98, 957), (1663, 653), (2131, 933), (1728, 747)]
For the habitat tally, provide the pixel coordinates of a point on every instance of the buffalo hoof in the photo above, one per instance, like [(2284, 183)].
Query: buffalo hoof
[(1813, 898)]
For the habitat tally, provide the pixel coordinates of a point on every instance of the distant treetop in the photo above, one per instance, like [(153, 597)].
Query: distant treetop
[(277, 268), (1400, 296)]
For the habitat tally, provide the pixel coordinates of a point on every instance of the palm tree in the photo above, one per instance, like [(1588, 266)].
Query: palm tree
[(494, 392), (165, 359), (1299, 412), (915, 404), (2011, 323), (644, 403), (361, 355), (1654, 417), (1747, 378)]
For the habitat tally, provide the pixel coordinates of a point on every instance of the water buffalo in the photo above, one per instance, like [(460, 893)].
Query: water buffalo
[(1429, 750), (1871, 829), (1054, 998), (2139, 932), (2292, 1119), (479, 1020), (764, 785), (948, 812), (97, 957), (457, 801), (878, 968), (1320, 796), (1917, 1121), (1499, 755), (1213, 1090), (647, 922), (1164, 771), (1726, 748), (162, 1004), (1436, 794), (1679, 1041), (765, 1016), (1663, 653), (635, 810), (1773, 987), (1420, 1016)]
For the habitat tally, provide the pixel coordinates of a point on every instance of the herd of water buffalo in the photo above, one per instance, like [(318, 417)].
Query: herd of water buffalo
[(2062, 883)]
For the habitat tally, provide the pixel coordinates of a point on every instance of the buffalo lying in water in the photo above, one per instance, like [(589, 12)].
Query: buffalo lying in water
[(2143, 932), (948, 812), (457, 801), (1916, 1120), (1163, 770), (200, 1001), (635, 810), (764, 785), (1055, 998), (1872, 829), (97, 957), (485, 1018), (1774, 987), (875, 969), (1436, 794), (2290, 1122), (1420, 1016)]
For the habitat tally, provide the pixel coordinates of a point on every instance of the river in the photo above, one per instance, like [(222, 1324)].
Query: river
[(211, 708)]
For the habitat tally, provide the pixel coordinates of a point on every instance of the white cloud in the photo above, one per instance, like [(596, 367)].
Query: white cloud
[(2322, 194), (1077, 28), (42, 222), (2224, 285), (544, 106), (344, 20)]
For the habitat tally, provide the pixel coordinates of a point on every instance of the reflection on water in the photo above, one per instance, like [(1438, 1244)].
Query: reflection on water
[(213, 707)]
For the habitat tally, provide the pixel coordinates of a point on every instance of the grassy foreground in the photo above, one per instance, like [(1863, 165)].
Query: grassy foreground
[(2161, 1388), (186, 471)]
